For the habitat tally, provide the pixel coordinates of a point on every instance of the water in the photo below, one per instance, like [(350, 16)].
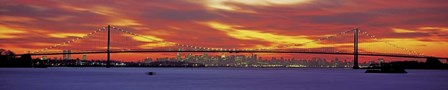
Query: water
[(65, 78)]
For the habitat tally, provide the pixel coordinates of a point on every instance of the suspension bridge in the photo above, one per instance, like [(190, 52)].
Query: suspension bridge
[(56, 49)]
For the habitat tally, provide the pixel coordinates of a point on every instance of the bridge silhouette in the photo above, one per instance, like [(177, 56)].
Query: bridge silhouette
[(190, 48)]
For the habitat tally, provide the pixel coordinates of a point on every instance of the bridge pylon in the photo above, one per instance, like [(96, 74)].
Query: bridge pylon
[(355, 49), (108, 46)]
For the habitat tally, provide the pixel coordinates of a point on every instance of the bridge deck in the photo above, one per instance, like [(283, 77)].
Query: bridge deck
[(305, 52)]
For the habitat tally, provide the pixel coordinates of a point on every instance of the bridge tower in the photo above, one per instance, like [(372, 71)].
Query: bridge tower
[(355, 49), (108, 46)]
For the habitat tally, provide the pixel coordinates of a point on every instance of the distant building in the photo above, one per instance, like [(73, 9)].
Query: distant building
[(179, 56), (380, 61), (44, 57), (148, 60), (66, 55), (84, 57)]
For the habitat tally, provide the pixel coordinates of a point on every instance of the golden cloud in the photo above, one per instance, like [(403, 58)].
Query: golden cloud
[(434, 28), (426, 30), (420, 29), (399, 30), (7, 32), (275, 39), (227, 4), (65, 35), (433, 48), (151, 41), (123, 22), (155, 45), (42, 44), (144, 38)]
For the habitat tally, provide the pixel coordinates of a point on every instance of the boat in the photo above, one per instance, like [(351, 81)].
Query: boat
[(150, 73)]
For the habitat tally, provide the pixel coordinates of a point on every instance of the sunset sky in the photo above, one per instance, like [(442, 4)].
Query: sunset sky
[(417, 25)]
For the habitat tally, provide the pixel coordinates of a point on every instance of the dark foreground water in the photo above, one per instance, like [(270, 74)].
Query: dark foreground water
[(217, 78)]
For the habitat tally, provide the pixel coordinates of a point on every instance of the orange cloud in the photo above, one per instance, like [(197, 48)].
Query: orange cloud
[(16, 19), (60, 18)]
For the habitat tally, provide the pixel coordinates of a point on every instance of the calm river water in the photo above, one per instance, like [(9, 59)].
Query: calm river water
[(88, 78)]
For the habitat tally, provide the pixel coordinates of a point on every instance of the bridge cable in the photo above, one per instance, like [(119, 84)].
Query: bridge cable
[(69, 41)]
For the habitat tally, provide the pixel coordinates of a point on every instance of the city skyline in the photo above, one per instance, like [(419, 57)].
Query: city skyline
[(213, 60), (207, 56)]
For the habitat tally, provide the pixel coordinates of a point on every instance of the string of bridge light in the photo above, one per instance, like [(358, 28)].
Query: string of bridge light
[(184, 45), (390, 44), (70, 41), (154, 40), (411, 52), (320, 39), (177, 44)]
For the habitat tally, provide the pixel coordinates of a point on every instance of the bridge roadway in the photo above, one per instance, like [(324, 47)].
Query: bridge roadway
[(241, 51)]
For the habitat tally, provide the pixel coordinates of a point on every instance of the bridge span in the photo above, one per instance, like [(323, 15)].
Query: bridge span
[(242, 51)]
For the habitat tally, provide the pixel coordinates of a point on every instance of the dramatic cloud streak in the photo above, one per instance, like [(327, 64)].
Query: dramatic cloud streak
[(419, 25)]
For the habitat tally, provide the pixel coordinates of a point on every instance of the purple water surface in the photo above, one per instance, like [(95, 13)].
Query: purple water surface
[(87, 78)]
